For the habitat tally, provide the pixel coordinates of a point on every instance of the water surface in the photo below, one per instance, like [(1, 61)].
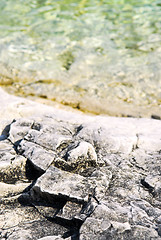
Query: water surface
[(99, 56)]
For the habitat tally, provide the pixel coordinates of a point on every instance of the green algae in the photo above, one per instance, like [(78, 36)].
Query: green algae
[(67, 58)]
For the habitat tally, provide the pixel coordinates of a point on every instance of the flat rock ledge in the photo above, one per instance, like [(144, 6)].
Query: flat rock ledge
[(67, 175)]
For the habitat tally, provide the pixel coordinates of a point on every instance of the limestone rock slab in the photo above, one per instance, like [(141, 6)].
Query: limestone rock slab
[(55, 183), (40, 158)]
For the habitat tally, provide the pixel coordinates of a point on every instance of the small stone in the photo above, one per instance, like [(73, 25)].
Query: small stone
[(83, 150), (121, 227), (13, 169), (97, 223), (19, 129), (52, 238), (11, 189), (38, 156), (70, 211)]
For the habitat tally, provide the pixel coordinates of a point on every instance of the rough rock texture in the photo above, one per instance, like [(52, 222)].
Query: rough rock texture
[(66, 175)]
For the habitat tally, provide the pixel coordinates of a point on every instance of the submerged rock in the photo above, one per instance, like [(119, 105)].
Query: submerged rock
[(66, 175)]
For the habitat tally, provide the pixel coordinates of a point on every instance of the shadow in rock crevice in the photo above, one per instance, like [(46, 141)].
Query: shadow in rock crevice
[(32, 173), (72, 226), (5, 132)]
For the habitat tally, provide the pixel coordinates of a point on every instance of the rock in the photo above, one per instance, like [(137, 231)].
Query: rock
[(103, 224), (16, 220), (19, 129), (97, 223), (12, 166), (39, 157), (121, 227), (93, 227), (159, 229), (52, 238), (113, 140), (82, 156), (55, 184), (24, 234), (57, 144), (67, 175), (83, 150), (11, 189), (153, 184), (140, 232)]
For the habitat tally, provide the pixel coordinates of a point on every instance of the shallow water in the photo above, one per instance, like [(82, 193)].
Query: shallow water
[(99, 56)]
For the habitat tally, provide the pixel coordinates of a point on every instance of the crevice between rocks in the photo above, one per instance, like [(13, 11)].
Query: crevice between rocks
[(150, 189), (32, 173), (72, 225), (6, 130)]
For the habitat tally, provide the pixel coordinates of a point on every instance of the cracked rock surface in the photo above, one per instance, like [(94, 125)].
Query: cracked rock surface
[(66, 175)]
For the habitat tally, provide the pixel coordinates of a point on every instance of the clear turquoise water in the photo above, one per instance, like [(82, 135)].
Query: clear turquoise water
[(90, 54)]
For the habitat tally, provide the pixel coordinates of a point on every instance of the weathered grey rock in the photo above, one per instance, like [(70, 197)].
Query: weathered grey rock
[(24, 234), (18, 222), (56, 183), (99, 224), (153, 183), (52, 238), (83, 150), (19, 129), (11, 189), (57, 143), (12, 166), (96, 176), (40, 158)]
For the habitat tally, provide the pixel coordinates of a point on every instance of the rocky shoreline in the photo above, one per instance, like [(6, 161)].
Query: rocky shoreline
[(67, 175)]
